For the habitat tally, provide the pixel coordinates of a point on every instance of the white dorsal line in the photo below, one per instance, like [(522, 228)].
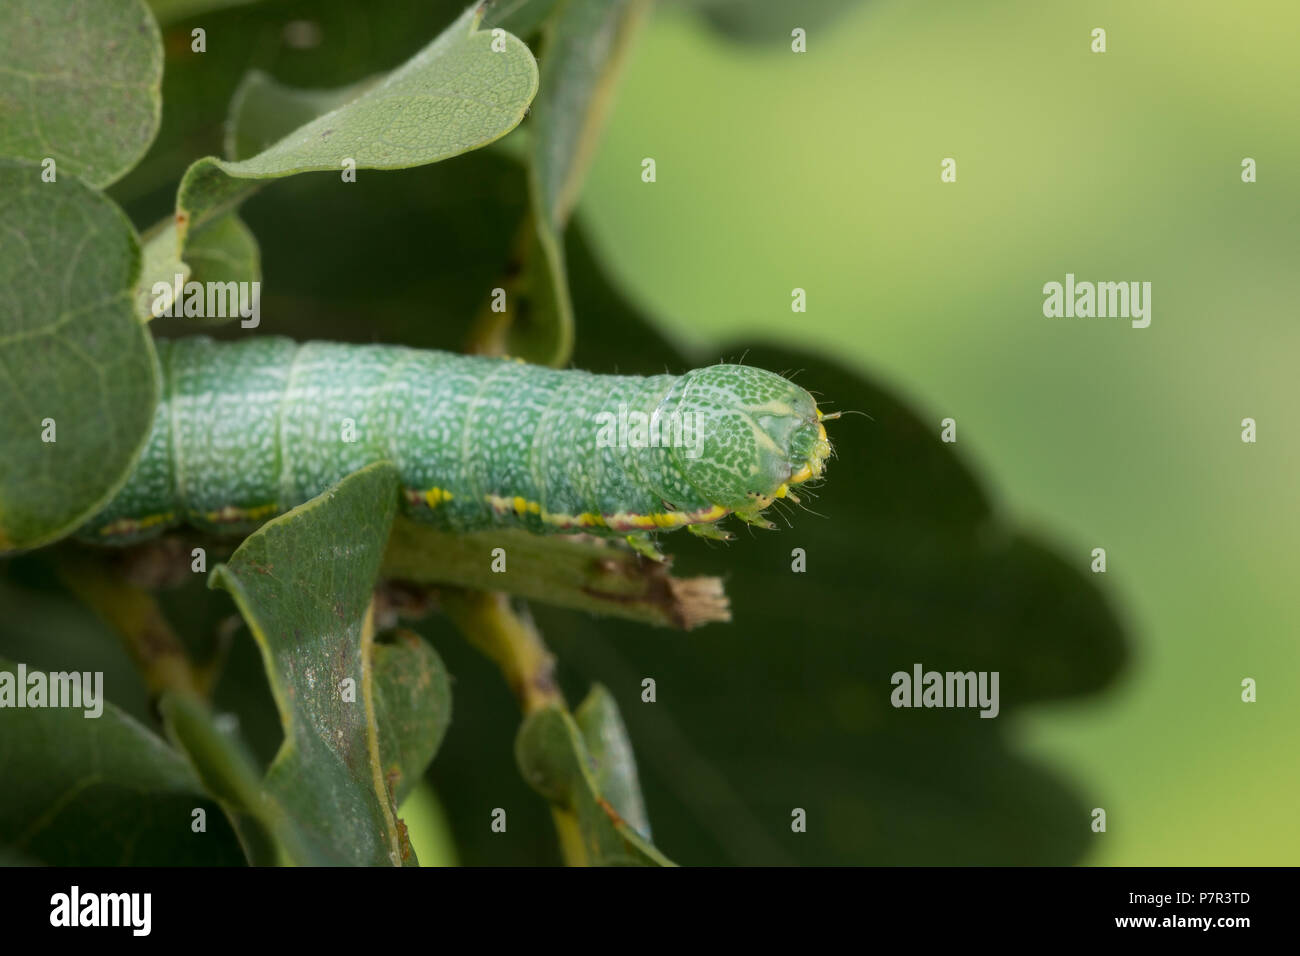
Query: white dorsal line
[(771, 407)]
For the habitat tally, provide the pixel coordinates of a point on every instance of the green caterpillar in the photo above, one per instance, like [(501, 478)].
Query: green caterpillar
[(248, 430)]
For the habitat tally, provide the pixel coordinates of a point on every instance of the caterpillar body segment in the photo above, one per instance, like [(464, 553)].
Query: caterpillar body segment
[(248, 430)]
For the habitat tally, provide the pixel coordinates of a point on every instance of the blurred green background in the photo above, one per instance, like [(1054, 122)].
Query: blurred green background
[(821, 171)]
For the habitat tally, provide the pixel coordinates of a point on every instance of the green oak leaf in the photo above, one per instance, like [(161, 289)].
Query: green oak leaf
[(455, 95), (606, 738), (584, 47), (263, 110), (79, 83), (225, 251), (344, 42), (468, 211), (412, 695), (553, 757), (159, 262), (412, 708), (430, 831), (100, 791), (268, 833), (71, 352), (303, 582)]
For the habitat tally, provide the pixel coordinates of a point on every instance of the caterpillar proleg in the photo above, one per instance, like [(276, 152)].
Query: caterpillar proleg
[(248, 430)]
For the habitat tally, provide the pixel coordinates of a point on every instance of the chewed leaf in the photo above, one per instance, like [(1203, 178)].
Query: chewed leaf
[(78, 374), (80, 84), (464, 90), (303, 583)]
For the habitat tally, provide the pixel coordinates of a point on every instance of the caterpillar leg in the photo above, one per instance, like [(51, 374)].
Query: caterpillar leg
[(756, 519), (645, 545), (710, 531)]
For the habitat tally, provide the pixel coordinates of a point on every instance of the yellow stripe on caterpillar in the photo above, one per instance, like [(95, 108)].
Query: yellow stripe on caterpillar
[(129, 526), (619, 521), (231, 514)]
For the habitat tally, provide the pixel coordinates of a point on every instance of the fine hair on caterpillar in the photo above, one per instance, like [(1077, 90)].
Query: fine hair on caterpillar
[(247, 430)]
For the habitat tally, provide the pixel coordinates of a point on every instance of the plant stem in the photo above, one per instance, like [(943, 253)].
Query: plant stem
[(138, 620), (598, 575), (489, 623)]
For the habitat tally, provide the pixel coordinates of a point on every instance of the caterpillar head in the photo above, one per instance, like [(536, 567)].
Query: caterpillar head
[(761, 435)]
